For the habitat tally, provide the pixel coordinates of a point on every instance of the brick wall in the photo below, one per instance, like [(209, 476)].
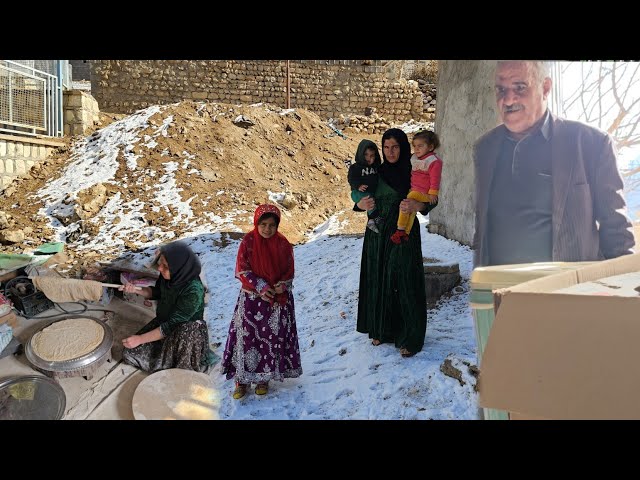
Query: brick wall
[(80, 112), (18, 154)]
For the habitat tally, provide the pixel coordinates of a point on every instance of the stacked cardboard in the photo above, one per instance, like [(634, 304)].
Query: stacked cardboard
[(566, 346)]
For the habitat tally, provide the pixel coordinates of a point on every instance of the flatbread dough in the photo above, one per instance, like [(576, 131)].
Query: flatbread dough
[(68, 289), (176, 394), (67, 339)]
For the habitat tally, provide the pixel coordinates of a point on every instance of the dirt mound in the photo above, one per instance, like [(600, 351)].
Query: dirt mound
[(181, 169)]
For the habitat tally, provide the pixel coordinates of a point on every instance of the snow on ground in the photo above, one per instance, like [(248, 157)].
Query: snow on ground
[(413, 126), (344, 376)]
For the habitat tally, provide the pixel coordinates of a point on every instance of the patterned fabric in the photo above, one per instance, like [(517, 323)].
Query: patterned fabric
[(186, 347), (262, 344), (265, 208), (185, 342)]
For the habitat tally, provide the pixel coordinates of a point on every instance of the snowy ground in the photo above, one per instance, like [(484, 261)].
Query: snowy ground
[(345, 377)]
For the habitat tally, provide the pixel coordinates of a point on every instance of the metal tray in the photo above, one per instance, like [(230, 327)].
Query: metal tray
[(76, 363), (31, 397)]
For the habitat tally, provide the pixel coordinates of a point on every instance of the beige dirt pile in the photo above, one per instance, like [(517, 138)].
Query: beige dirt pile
[(218, 160)]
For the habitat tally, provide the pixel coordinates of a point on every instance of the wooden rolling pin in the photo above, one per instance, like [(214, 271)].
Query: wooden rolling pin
[(113, 285), (71, 289)]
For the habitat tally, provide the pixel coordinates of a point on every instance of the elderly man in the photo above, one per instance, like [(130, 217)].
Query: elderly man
[(547, 189)]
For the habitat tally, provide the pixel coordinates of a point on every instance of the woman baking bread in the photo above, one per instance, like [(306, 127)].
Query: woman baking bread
[(177, 337)]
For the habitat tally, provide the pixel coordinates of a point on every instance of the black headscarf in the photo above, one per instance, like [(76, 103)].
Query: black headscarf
[(184, 265), (397, 175), (362, 147)]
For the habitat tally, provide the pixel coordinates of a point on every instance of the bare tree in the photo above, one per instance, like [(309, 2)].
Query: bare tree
[(607, 95)]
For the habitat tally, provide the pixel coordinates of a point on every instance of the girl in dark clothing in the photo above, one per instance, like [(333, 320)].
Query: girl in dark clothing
[(177, 337), (363, 178)]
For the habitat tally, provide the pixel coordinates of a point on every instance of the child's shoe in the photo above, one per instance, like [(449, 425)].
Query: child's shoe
[(371, 225), (240, 391), (399, 236), (262, 389)]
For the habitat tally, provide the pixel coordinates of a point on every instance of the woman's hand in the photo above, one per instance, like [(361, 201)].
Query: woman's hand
[(362, 188), (367, 203), (432, 199), (268, 294), (132, 342), (409, 205), (144, 292), (128, 288)]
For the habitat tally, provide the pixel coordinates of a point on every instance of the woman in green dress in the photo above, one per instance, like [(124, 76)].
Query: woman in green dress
[(178, 336), (392, 306)]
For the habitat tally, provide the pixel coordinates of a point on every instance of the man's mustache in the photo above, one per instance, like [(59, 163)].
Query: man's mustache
[(513, 108)]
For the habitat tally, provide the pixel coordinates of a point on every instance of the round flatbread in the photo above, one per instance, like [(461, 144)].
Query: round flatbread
[(176, 394), (67, 339)]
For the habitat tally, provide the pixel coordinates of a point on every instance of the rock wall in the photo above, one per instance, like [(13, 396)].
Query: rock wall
[(328, 88)]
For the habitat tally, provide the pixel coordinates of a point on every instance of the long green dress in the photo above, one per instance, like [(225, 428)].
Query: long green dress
[(392, 305)]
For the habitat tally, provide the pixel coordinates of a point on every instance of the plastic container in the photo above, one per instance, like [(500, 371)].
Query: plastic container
[(6, 334), (484, 280)]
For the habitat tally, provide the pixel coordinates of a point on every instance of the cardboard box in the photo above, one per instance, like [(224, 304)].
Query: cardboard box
[(559, 355), (484, 281)]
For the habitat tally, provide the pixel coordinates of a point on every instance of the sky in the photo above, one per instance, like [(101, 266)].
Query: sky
[(344, 376)]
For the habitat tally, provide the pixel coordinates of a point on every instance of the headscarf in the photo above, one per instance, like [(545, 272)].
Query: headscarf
[(184, 264), (397, 175), (362, 147), (269, 258)]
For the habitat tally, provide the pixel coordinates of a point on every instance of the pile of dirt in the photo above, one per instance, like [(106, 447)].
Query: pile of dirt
[(182, 169)]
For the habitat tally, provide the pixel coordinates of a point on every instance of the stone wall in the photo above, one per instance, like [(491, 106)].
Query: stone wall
[(18, 154), (328, 88), (80, 112), (466, 110)]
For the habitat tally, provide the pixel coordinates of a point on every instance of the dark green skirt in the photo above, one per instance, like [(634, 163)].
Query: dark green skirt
[(392, 304)]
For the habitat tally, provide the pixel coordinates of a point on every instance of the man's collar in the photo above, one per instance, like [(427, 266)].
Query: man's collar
[(543, 126)]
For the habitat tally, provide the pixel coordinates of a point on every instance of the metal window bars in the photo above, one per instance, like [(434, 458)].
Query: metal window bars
[(31, 99)]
